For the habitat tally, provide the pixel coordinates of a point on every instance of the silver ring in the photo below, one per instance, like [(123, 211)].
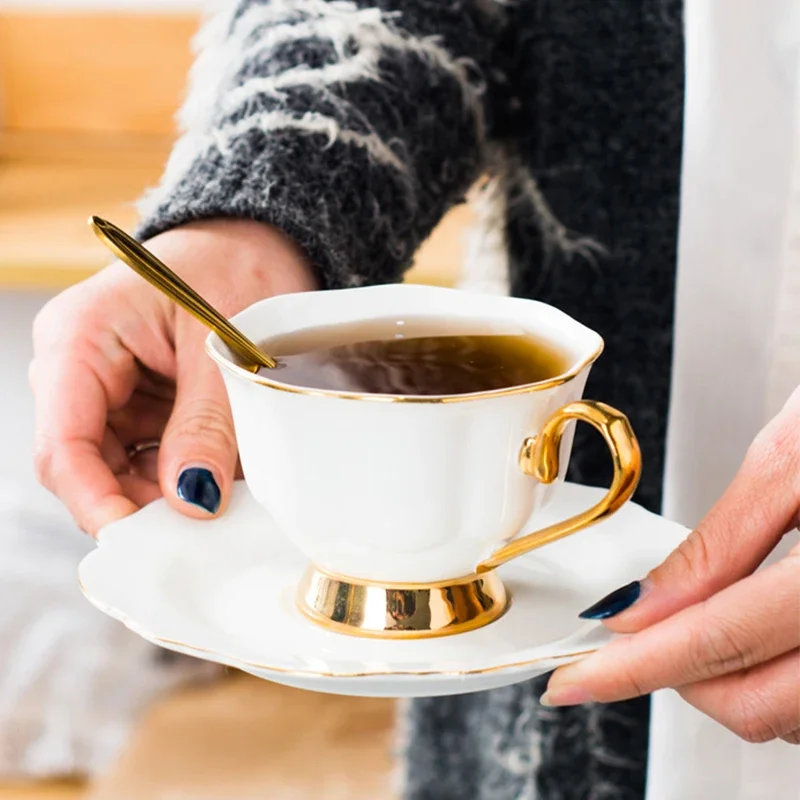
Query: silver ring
[(142, 447)]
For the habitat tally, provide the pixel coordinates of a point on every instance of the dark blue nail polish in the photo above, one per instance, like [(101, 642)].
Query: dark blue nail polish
[(197, 486), (614, 603)]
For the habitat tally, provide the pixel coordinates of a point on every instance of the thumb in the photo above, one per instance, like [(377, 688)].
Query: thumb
[(198, 451), (739, 532)]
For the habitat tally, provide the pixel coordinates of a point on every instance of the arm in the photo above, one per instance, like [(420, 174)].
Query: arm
[(351, 126)]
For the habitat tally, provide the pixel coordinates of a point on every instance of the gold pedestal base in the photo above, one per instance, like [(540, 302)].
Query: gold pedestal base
[(403, 610)]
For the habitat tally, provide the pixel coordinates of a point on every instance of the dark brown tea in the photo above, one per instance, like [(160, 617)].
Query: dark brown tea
[(414, 356)]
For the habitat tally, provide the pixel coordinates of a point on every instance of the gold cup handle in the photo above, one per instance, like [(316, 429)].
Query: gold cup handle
[(539, 457)]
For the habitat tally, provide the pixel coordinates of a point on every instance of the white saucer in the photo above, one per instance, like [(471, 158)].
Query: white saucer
[(223, 590)]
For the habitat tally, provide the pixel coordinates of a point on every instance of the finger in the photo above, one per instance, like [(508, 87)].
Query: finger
[(758, 704), (746, 624), (143, 418), (113, 453), (145, 465), (198, 451), (792, 738), (137, 477), (140, 490), (72, 394), (758, 508)]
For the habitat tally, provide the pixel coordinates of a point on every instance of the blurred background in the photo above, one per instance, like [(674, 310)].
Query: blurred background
[(88, 92)]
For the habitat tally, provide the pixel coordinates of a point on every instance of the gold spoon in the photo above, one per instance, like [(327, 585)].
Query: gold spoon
[(143, 262)]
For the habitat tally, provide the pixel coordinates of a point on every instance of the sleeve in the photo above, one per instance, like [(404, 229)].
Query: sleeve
[(351, 126)]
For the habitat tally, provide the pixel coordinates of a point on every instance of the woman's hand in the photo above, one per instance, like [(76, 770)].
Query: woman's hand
[(116, 363), (704, 622)]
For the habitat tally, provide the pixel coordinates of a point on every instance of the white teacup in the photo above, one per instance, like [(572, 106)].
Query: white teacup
[(404, 505)]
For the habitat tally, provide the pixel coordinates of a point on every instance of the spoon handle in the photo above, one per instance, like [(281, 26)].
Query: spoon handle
[(143, 262)]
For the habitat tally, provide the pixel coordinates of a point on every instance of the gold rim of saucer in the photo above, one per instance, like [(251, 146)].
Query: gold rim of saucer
[(401, 610)]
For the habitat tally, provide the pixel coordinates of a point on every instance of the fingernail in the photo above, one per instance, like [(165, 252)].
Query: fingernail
[(614, 603), (196, 485), (566, 696)]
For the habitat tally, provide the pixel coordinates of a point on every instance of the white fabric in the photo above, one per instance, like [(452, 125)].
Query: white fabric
[(72, 680), (737, 346)]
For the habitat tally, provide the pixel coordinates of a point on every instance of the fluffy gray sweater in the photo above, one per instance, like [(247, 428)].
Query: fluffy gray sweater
[(354, 126)]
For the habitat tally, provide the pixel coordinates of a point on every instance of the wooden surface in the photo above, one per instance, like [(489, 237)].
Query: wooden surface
[(247, 739), (87, 106), (50, 790), (242, 738), (79, 72), (50, 184)]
